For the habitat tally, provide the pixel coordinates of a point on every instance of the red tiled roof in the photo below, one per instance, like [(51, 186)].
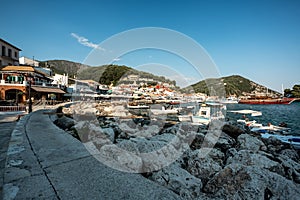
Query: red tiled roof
[(47, 89), (18, 68)]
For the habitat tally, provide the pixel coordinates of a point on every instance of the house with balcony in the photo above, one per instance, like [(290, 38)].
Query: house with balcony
[(9, 54), (19, 83)]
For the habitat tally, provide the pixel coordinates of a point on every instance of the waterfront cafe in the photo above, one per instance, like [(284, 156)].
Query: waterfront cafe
[(17, 81)]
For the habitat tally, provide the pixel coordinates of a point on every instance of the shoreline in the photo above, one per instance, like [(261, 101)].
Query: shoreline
[(191, 176)]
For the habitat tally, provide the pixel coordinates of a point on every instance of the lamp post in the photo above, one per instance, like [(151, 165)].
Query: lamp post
[(29, 94)]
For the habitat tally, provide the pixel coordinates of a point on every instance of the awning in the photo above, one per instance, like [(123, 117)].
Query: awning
[(47, 90)]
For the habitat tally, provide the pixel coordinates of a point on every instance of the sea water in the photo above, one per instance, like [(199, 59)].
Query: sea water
[(274, 114)]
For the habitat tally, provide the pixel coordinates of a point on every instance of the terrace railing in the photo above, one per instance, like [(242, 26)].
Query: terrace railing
[(12, 108)]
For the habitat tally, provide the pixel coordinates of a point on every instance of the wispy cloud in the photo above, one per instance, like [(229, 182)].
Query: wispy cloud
[(84, 41), (116, 59)]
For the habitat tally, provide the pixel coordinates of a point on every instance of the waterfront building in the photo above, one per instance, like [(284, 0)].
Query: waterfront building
[(9, 54), (29, 62), (17, 81)]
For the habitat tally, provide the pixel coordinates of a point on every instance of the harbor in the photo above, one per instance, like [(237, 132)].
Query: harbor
[(150, 100)]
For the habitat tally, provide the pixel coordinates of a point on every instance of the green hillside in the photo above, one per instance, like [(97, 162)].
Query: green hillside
[(105, 74), (64, 66), (233, 85)]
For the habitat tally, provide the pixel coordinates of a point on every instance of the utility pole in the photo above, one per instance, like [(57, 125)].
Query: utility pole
[(30, 102)]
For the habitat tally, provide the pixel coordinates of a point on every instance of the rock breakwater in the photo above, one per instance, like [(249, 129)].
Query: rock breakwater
[(242, 165)]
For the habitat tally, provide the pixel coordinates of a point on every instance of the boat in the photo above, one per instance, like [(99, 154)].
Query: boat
[(288, 139), (270, 129), (229, 100), (260, 100), (245, 120), (205, 115), (253, 113), (184, 118), (164, 110), (137, 106)]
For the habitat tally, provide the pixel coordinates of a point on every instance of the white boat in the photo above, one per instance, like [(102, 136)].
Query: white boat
[(253, 113), (205, 115), (184, 118), (164, 111), (270, 128), (289, 139), (201, 120), (138, 106), (249, 123), (229, 100)]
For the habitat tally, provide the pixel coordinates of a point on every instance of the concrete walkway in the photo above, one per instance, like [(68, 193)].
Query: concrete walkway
[(44, 162), (7, 125)]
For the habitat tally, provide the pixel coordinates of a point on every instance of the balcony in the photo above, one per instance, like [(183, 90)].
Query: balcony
[(13, 83), (25, 83)]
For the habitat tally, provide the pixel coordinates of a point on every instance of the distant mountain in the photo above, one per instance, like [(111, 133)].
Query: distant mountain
[(233, 85), (105, 74), (64, 66)]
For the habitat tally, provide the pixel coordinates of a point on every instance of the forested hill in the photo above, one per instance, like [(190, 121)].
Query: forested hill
[(233, 85), (105, 74), (64, 66)]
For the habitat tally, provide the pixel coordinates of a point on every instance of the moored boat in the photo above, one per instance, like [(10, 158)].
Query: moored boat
[(206, 114), (137, 106), (267, 100), (289, 139)]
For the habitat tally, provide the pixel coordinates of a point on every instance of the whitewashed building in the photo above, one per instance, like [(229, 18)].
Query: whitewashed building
[(9, 54), (27, 61)]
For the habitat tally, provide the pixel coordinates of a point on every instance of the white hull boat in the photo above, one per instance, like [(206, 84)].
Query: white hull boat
[(289, 139)]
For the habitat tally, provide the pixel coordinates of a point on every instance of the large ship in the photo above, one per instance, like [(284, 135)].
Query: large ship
[(267, 100)]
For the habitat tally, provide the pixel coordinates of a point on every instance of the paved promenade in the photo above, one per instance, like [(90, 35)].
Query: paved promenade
[(44, 162), (7, 125)]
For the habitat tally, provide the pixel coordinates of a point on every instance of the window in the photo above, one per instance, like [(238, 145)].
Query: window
[(3, 51), (9, 53), (16, 54)]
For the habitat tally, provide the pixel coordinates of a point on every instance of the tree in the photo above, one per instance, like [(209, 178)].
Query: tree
[(296, 91), (288, 93)]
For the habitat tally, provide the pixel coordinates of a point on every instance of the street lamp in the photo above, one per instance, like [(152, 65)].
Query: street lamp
[(29, 94)]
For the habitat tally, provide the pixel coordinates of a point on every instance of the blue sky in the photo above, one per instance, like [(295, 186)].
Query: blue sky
[(256, 39)]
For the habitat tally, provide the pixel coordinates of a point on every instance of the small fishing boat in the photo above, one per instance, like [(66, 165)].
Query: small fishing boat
[(289, 139), (205, 114), (267, 100), (137, 106), (184, 118), (253, 113), (164, 111), (271, 129), (229, 100)]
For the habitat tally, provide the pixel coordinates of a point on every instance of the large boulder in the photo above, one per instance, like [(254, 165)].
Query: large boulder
[(205, 167), (274, 145), (237, 181), (291, 168), (120, 159), (137, 130), (64, 122), (178, 180), (232, 131), (155, 154), (249, 142), (225, 142), (197, 143), (248, 158)]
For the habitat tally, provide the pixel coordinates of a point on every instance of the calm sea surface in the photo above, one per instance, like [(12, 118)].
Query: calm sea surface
[(275, 114)]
